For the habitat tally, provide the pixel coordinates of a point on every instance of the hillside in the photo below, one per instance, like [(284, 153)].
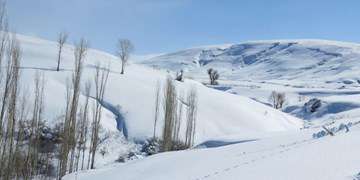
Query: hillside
[(280, 59), (302, 69), (237, 133), (244, 130), (284, 156), (129, 99)]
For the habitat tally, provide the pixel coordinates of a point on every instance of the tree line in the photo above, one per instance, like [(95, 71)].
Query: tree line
[(28, 147), (170, 107)]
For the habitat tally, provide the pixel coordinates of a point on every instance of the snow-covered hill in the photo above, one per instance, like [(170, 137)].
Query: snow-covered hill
[(249, 139), (130, 99), (280, 59), (303, 69), (219, 113)]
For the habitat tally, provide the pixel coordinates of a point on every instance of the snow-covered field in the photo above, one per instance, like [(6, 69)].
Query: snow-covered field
[(239, 136), (283, 156)]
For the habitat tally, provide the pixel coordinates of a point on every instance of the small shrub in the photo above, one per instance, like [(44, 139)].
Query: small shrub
[(151, 146)]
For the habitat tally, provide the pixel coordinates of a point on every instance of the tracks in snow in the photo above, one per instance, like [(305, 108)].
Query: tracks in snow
[(264, 154)]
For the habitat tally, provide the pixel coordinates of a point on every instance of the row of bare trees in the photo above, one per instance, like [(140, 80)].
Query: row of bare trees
[(72, 102), (14, 163), (22, 152), (27, 150), (124, 49), (80, 133), (11, 112), (20, 124), (172, 116)]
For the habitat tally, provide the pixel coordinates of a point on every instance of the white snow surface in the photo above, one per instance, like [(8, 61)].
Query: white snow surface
[(219, 114), (272, 59), (282, 156), (255, 141), (303, 69)]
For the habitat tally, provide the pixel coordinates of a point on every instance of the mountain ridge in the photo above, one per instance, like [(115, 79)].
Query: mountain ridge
[(269, 58)]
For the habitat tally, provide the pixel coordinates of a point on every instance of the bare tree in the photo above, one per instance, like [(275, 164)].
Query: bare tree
[(213, 76), (191, 118), (4, 34), (157, 105), (69, 130), (33, 147), (11, 110), (170, 105), (6, 85), (178, 119), (63, 153), (80, 53), (173, 107), (20, 167), (277, 99), (4, 41), (85, 124), (124, 48), (100, 80), (63, 36), (82, 130), (19, 134)]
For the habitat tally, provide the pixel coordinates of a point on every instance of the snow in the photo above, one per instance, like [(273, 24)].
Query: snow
[(134, 93), (133, 96), (279, 59), (282, 156), (303, 69), (238, 134)]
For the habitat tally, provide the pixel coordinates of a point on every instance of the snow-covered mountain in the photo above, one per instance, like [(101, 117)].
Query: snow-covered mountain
[(273, 59)]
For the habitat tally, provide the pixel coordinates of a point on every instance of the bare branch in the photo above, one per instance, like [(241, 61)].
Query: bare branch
[(124, 48)]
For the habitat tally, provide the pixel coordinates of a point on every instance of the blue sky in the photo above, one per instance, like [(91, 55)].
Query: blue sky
[(157, 26)]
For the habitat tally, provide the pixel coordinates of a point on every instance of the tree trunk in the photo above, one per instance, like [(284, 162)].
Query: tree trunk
[(122, 67), (59, 58)]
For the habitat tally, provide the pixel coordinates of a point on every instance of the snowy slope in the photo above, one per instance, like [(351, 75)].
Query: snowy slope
[(219, 113), (250, 140), (283, 156), (248, 137), (303, 69), (281, 59)]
